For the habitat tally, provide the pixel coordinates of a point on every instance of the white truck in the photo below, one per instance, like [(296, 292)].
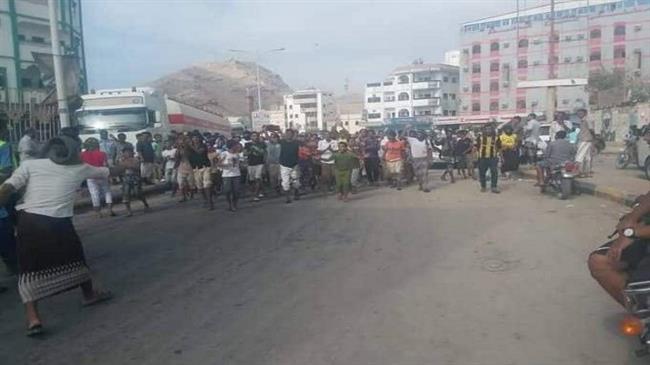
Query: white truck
[(142, 109)]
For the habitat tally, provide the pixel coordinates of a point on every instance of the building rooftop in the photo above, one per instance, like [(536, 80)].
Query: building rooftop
[(425, 67), (559, 6)]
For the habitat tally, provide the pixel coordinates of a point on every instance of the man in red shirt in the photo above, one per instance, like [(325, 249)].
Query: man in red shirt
[(394, 152), (95, 157)]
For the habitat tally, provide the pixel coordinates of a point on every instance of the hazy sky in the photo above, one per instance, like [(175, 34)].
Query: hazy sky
[(130, 42)]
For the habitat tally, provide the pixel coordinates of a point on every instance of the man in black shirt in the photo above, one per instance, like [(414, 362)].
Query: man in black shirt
[(201, 168), (255, 151), (289, 172), (147, 156)]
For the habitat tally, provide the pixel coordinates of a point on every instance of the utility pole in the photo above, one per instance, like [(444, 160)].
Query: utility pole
[(551, 91), (59, 79)]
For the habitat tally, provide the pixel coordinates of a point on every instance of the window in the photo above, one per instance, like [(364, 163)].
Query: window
[(445, 96), (403, 79), (523, 63), (445, 112), (619, 30), (476, 107), (494, 66), (523, 43), (638, 59), (619, 52), (494, 47), (521, 104), (494, 106), (453, 96), (290, 106), (494, 85), (374, 115), (403, 96), (476, 87), (296, 115), (476, 49), (374, 99), (388, 83), (452, 113), (594, 34), (476, 68), (594, 56), (38, 39), (454, 80), (21, 37), (445, 79), (25, 82), (3, 78), (403, 113)]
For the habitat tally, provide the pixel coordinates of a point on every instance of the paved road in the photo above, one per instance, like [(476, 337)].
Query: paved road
[(452, 277)]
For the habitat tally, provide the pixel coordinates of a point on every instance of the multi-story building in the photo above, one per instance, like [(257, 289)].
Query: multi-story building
[(309, 110), (24, 28), (418, 92), (452, 57), (261, 118), (589, 36)]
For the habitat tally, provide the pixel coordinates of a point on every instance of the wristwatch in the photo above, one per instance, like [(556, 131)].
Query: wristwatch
[(628, 232)]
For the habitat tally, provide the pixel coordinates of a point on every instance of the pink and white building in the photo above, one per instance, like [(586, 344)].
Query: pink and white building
[(589, 36)]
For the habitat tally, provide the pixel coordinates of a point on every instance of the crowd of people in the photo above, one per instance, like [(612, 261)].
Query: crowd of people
[(254, 165)]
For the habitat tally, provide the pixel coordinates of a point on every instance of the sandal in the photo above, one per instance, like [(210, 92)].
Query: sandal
[(99, 298), (34, 330)]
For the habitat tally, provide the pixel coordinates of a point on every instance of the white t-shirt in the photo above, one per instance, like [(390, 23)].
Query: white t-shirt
[(327, 155), (419, 148), (170, 155), (556, 126), (51, 188), (229, 163)]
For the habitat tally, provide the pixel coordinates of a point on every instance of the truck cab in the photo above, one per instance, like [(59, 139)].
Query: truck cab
[(129, 111)]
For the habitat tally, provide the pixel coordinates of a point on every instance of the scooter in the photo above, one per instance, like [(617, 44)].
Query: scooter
[(561, 179)]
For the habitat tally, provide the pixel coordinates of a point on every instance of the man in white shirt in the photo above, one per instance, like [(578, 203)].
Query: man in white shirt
[(28, 148), (45, 222), (420, 158), (531, 131), (560, 123), (326, 149)]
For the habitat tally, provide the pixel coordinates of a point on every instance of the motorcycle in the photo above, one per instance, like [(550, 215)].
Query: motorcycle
[(637, 301), (561, 179), (628, 154)]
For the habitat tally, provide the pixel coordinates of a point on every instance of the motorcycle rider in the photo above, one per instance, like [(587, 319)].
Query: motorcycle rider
[(610, 264), (631, 139), (558, 152)]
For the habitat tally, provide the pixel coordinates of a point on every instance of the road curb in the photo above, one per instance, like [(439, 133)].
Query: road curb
[(85, 203), (605, 192)]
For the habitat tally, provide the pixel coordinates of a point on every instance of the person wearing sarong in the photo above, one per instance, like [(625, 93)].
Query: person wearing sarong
[(420, 155), (50, 255), (509, 151)]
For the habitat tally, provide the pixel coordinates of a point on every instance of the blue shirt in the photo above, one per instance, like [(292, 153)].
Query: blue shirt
[(5, 155)]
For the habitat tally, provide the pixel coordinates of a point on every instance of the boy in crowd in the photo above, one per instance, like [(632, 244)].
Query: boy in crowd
[(255, 152), (131, 183), (344, 162)]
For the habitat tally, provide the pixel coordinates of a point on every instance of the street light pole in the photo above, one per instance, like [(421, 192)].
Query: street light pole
[(59, 80), (257, 69)]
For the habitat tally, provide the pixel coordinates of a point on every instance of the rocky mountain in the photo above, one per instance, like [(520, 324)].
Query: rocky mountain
[(224, 87)]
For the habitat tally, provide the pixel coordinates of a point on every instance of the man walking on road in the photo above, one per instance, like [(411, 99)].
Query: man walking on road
[(488, 146), (255, 152), (289, 170), (273, 161), (586, 137), (326, 148), (531, 131), (420, 158), (394, 151)]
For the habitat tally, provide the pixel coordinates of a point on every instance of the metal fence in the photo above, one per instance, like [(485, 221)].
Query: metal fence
[(18, 117)]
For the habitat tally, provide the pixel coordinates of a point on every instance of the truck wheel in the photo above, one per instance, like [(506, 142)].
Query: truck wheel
[(566, 186)]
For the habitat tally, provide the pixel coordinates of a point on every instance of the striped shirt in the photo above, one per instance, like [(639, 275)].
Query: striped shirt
[(488, 146)]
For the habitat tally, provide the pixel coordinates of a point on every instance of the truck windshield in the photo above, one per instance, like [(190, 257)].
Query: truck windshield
[(120, 120)]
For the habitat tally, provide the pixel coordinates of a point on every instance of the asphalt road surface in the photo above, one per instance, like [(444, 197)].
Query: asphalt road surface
[(450, 277)]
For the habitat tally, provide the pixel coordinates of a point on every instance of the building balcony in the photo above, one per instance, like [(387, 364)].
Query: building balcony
[(426, 102), (422, 85)]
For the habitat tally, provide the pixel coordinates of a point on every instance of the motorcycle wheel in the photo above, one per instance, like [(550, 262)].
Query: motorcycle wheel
[(622, 160), (566, 186)]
